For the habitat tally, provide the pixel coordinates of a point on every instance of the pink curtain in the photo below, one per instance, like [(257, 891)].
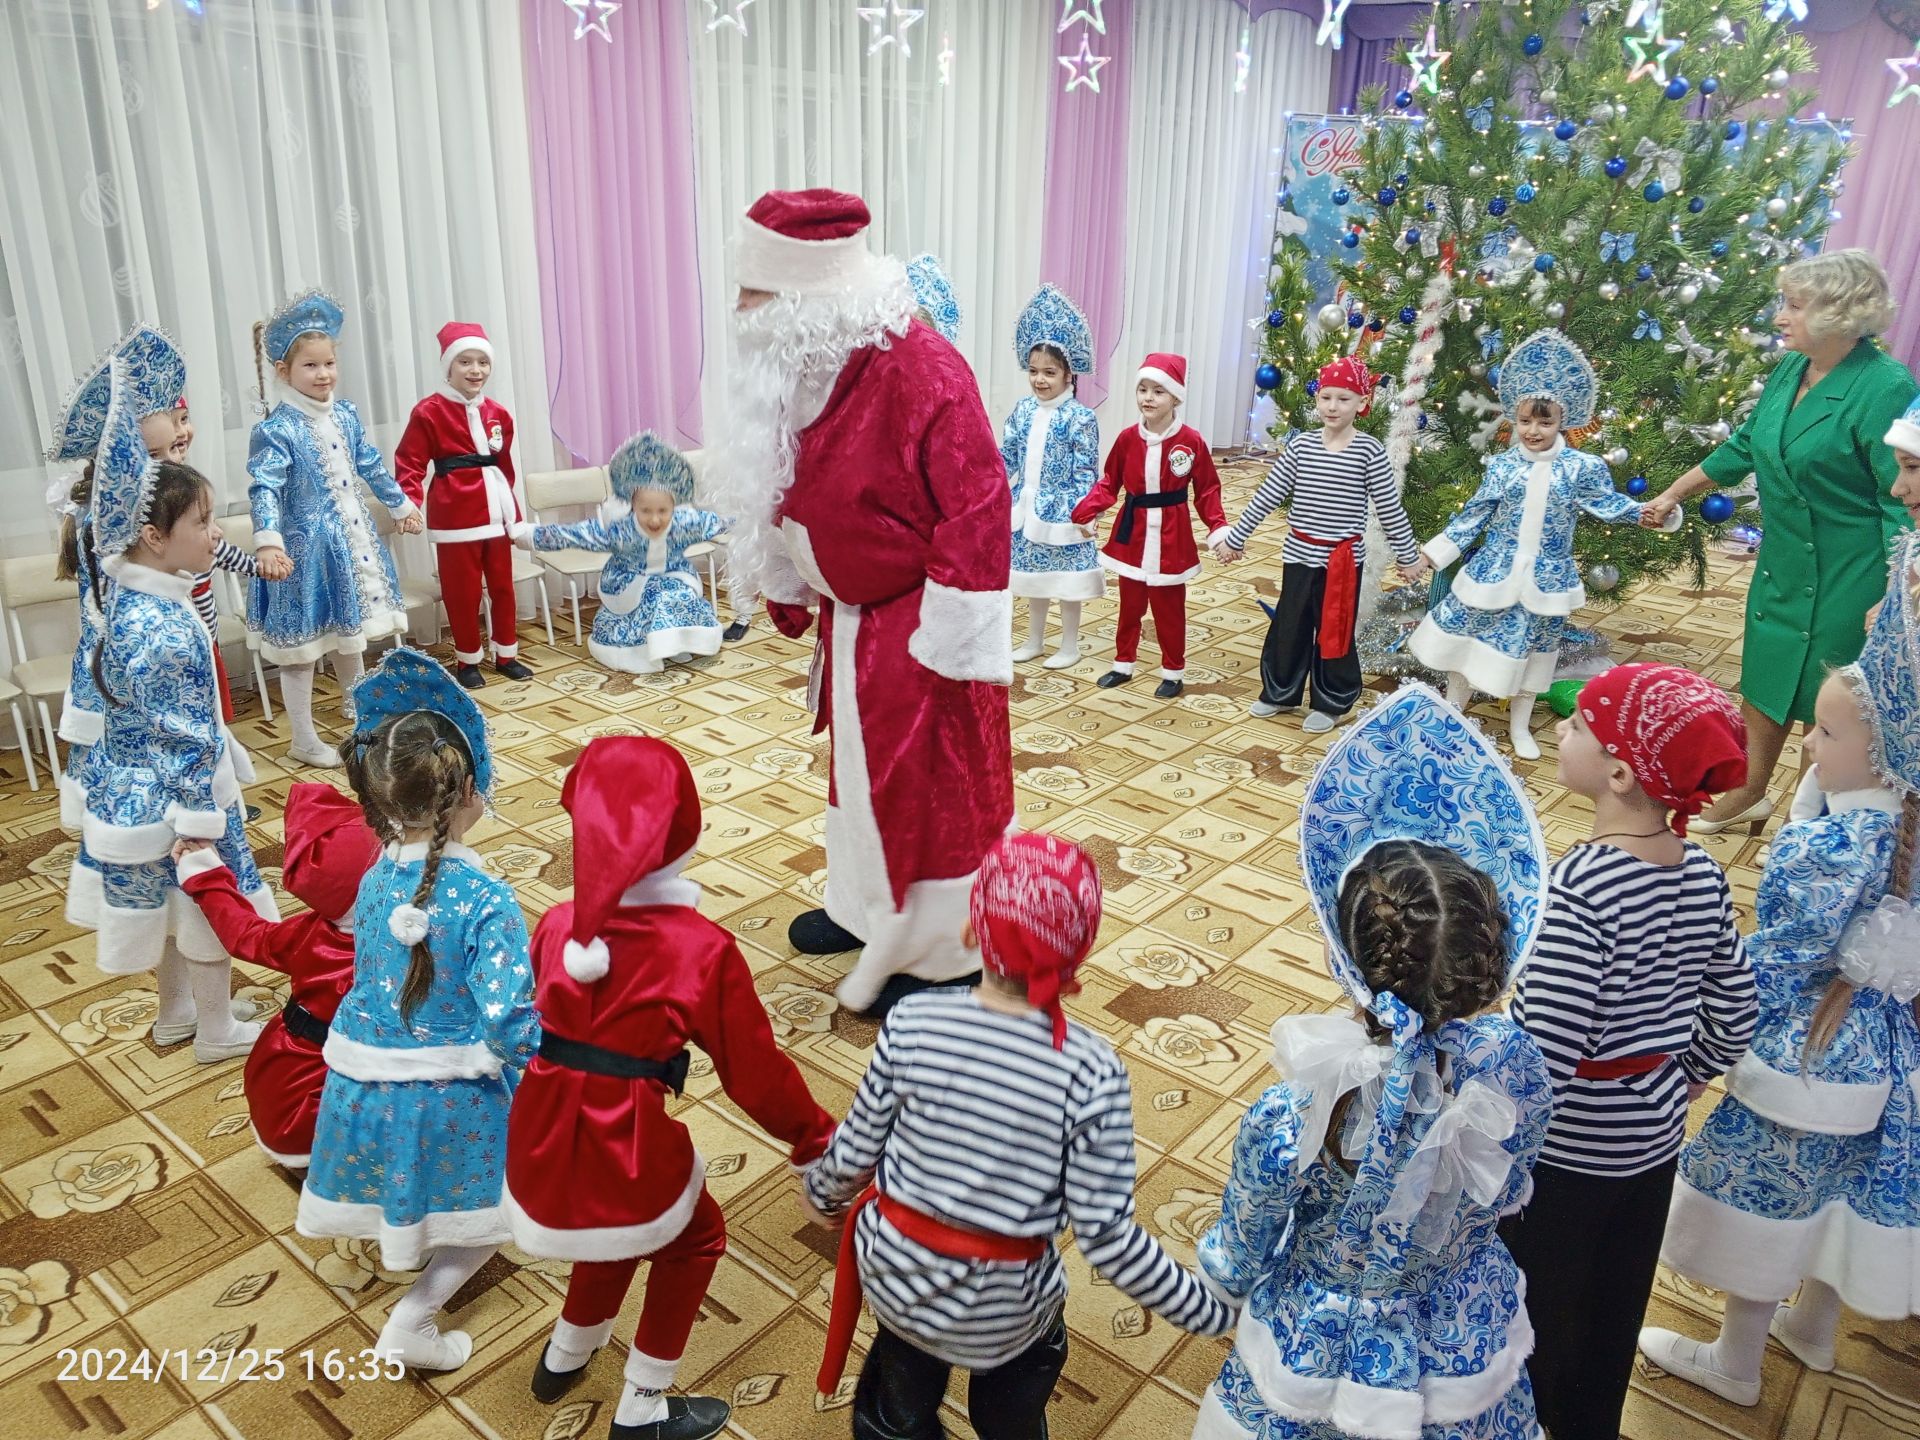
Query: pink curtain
[(1882, 181), (612, 141), (1083, 231)]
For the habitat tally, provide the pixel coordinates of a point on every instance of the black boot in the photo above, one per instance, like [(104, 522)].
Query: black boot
[(1168, 689), (815, 934), (550, 1385), (736, 631), (1113, 678), (515, 669), (469, 675), (689, 1417)]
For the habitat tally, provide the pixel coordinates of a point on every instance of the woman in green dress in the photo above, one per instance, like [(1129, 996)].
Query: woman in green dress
[(1825, 474)]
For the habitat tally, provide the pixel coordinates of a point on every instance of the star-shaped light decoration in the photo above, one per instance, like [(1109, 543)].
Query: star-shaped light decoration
[(1904, 84), (1076, 10), (727, 12), (1426, 63), (1778, 10), (1655, 64), (1332, 12), (594, 24), (1243, 59), (900, 17), (1084, 68), (946, 58)]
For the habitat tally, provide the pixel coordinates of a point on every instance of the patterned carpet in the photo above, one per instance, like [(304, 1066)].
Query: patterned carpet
[(136, 1212)]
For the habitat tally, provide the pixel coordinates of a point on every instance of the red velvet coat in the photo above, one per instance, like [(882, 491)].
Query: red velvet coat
[(283, 1073), (597, 1169), (468, 504), (1160, 550)]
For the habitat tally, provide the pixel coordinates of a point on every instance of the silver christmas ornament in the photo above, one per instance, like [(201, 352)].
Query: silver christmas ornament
[(1617, 455), (1719, 430), (1547, 97), (1331, 317), (1479, 77), (1756, 389), (1688, 293), (1609, 290), (1776, 207), (1476, 171), (1778, 79), (1414, 272), (1477, 370), (1602, 577), (1554, 310)]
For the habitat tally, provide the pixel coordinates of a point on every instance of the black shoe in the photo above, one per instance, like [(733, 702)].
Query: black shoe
[(513, 670), (550, 1385), (736, 631), (253, 813), (469, 675), (689, 1417), (1111, 679), (814, 934), (1167, 689), (899, 987)]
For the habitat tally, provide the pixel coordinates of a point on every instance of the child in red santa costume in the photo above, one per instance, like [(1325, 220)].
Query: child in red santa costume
[(627, 974), (1160, 470), (456, 462), (329, 850)]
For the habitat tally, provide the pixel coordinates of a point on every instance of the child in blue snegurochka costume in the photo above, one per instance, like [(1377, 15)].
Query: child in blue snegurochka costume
[(1498, 630), (410, 1142), (164, 769), (652, 609), (327, 585), (156, 379), (1358, 1224), (1808, 1173), (1051, 446)]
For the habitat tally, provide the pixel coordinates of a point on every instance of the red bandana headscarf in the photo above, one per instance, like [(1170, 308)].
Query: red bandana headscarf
[(1349, 373), (1035, 912), (1681, 734)]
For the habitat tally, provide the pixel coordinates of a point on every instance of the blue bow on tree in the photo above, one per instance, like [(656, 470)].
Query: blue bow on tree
[(1648, 328), (1618, 247), (1481, 116), (1490, 344), (1499, 242)]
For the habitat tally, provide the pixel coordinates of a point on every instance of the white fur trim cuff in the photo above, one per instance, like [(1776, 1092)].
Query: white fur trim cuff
[(359, 1061), (1904, 434), (607, 1242), (196, 824), (765, 259), (1803, 1103), (1165, 381), (965, 634), (589, 962), (1225, 532), (196, 864), (78, 726), (268, 540), (1440, 551), (406, 510)]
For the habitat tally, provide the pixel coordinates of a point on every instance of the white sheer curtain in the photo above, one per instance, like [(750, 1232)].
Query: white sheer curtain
[(1201, 183), (193, 170), (956, 169)]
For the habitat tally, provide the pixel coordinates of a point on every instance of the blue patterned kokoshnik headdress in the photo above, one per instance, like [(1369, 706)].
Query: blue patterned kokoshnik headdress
[(123, 472), (407, 681), (646, 462), (1052, 319), (1886, 678), (311, 312), (933, 292), (156, 377), (1548, 366)]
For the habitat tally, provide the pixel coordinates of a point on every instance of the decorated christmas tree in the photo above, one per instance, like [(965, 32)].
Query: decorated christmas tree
[(1623, 172)]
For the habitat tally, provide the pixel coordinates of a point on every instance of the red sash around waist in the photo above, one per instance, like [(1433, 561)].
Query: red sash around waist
[(923, 1229), (1340, 602), (1620, 1068)]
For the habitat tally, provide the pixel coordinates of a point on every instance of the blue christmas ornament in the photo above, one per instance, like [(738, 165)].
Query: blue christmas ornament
[(1709, 85), (1586, 17), (1408, 314), (1351, 239), (1376, 325), (1533, 44), (1678, 87), (1697, 204), (1733, 130), (1616, 167), (1543, 263), (1413, 237), (1276, 318), (1497, 206), (1267, 377), (1716, 509), (1401, 181), (1387, 196), (1402, 100), (1524, 193), (1654, 191), (1355, 319), (1340, 196), (1718, 249), (1565, 130), (1644, 273), (1313, 388), (1637, 485), (1431, 207), (1420, 420)]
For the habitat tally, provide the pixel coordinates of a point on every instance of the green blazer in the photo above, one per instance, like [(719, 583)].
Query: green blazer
[(1827, 513)]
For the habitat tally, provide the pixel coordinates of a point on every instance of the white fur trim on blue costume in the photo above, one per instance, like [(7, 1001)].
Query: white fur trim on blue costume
[(965, 634), (195, 824), (1804, 1103), (608, 1242), (359, 1061), (79, 726), (402, 1247)]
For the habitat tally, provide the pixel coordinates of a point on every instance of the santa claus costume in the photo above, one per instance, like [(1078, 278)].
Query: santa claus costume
[(1159, 478), (329, 850), (456, 462), (893, 516), (627, 974)]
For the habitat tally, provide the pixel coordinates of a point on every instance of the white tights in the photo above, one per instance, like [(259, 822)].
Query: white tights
[(1519, 713), (1037, 630), (296, 693), (200, 991)]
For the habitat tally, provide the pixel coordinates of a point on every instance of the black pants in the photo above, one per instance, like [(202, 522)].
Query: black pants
[(1588, 1245), (1292, 650), (901, 1387)]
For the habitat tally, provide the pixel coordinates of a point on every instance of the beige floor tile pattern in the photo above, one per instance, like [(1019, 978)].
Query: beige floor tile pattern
[(136, 1214)]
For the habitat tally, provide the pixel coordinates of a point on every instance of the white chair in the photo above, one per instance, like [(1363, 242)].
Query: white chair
[(416, 594), (230, 600), (11, 695), (27, 582), (579, 570)]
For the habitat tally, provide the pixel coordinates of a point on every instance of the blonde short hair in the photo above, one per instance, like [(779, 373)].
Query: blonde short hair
[(1846, 293)]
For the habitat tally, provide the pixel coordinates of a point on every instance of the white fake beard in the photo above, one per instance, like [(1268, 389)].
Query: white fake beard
[(787, 355)]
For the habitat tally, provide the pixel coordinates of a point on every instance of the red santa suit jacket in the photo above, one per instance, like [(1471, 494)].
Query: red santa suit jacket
[(1152, 541), (455, 461), (596, 1167), (284, 1071)]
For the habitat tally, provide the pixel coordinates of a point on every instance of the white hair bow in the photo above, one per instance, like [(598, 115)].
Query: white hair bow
[(1330, 1055), (1881, 949), (1461, 1152)]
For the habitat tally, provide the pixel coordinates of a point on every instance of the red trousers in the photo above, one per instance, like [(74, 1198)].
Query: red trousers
[(676, 1285), (463, 569), (1169, 604)]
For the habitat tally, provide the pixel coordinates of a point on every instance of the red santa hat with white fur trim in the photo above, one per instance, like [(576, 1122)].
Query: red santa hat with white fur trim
[(803, 242), (635, 810), (1169, 372), (457, 337)]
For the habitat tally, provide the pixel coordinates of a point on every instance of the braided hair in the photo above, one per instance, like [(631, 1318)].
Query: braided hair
[(413, 773), (1421, 922), (74, 534)]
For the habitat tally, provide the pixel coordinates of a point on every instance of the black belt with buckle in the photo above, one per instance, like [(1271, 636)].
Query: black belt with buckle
[(1158, 500), (593, 1060), (303, 1024)]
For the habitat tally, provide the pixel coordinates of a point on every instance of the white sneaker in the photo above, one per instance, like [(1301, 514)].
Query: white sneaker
[(1318, 722), (1261, 709), (212, 1052), (1029, 651), (321, 756), (1691, 1360), (438, 1350), (1805, 1353), (1060, 660), (175, 1034)]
